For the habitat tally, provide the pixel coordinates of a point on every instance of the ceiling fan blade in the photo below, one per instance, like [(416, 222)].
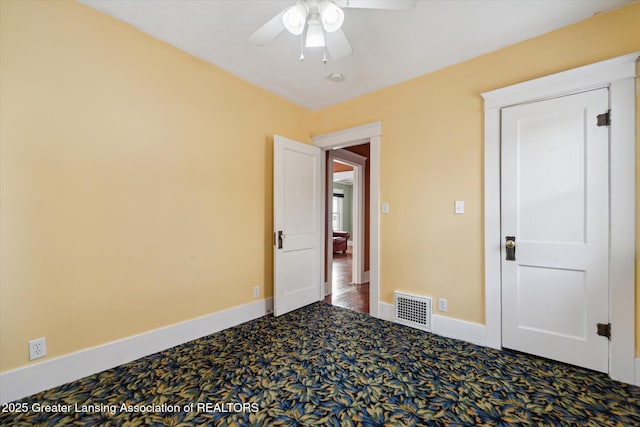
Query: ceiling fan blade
[(377, 4), (337, 45), (268, 31)]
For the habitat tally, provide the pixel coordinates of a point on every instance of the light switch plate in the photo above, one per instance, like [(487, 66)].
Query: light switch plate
[(459, 206), (385, 208)]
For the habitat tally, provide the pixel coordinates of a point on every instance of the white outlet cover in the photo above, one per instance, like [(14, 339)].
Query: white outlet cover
[(385, 208), (442, 304), (37, 348), (459, 206)]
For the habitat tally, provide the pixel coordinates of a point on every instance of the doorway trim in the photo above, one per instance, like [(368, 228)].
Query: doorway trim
[(368, 133), (619, 75)]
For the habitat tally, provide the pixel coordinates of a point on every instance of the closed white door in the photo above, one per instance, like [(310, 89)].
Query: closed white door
[(297, 225), (555, 203)]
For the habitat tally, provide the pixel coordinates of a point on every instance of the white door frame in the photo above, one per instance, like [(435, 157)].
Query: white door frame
[(369, 133), (619, 75), (358, 163)]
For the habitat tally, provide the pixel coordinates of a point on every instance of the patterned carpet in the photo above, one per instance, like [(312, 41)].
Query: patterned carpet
[(323, 365)]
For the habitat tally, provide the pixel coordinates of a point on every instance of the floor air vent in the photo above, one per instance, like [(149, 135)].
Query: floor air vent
[(412, 310)]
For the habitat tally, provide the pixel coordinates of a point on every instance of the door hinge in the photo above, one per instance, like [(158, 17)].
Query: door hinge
[(604, 330), (604, 119)]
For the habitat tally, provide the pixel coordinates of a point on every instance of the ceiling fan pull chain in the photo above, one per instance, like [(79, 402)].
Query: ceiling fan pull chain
[(302, 47), (324, 56)]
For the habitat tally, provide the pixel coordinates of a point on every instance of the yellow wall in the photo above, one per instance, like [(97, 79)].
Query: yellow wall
[(432, 154), (135, 181)]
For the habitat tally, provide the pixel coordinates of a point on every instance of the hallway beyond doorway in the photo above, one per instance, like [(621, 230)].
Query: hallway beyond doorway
[(344, 293)]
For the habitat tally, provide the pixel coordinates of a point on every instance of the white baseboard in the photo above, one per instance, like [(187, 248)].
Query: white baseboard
[(365, 276), (38, 377), (385, 311), (458, 329), (638, 372), (445, 326)]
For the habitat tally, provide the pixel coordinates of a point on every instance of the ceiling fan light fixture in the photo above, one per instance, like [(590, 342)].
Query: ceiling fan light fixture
[(315, 35), (295, 18), (332, 16)]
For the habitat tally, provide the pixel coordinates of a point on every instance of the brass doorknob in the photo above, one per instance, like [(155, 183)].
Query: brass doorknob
[(510, 244)]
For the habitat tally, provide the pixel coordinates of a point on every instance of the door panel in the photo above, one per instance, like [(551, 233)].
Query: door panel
[(297, 214), (555, 202), (551, 156), (566, 311)]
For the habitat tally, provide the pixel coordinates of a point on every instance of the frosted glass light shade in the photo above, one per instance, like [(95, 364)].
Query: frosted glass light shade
[(295, 18), (315, 35), (331, 15)]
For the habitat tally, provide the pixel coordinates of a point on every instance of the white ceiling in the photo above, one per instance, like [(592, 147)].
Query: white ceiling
[(388, 46)]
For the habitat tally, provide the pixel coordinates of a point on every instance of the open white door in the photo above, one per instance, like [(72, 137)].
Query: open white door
[(555, 207), (297, 215)]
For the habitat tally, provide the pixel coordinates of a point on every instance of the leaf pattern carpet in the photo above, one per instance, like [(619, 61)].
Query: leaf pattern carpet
[(328, 366)]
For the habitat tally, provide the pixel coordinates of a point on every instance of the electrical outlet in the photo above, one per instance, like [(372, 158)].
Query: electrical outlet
[(256, 292), (442, 304), (37, 348)]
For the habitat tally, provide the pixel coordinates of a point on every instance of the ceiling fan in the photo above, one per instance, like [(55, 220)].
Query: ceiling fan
[(319, 23)]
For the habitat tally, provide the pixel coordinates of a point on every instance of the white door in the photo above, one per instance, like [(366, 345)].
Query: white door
[(555, 202), (297, 215)]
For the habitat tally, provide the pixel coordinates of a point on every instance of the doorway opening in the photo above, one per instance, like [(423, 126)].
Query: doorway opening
[(347, 201), (369, 136)]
